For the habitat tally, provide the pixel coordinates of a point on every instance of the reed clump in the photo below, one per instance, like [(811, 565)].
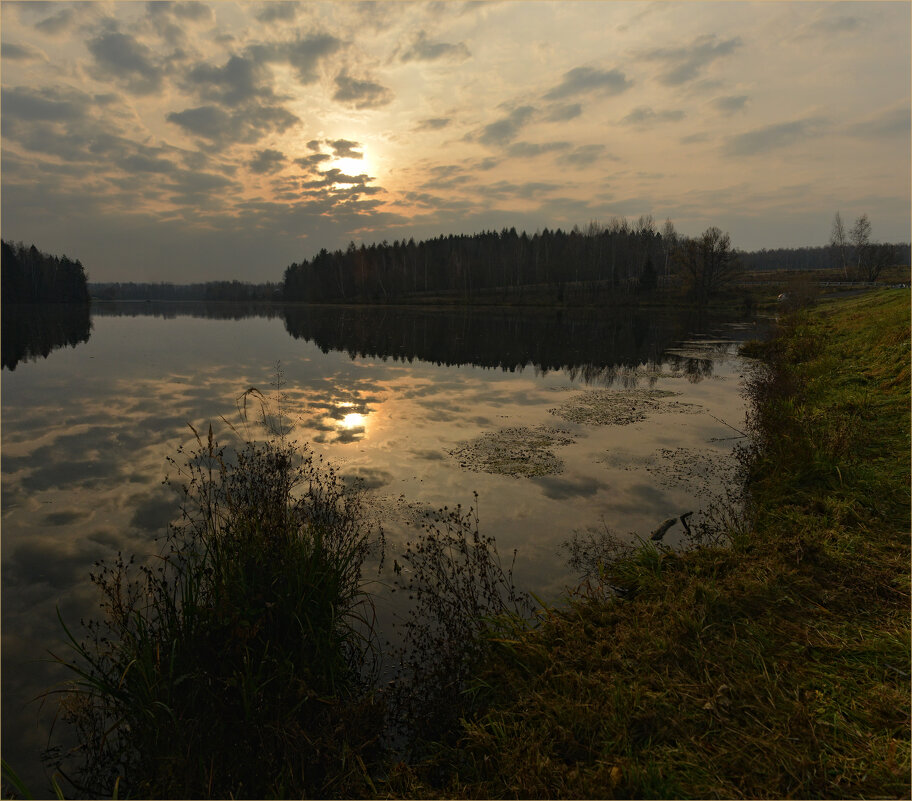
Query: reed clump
[(242, 661)]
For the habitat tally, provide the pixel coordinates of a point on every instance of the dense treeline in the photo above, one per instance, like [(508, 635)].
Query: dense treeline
[(239, 291), (30, 276), (823, 257), (594, 264), (616, 257)]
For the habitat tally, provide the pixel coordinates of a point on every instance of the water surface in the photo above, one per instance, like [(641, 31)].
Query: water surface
[(408, 400)]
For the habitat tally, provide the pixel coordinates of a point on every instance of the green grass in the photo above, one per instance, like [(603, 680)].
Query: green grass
[(777, 667)]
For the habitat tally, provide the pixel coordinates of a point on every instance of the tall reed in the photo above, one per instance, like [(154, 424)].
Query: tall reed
[(241, 662)]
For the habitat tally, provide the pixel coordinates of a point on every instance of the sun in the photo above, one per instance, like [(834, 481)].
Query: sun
[(353, 167)]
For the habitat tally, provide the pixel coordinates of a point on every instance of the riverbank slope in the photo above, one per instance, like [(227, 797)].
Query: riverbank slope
[(777, 666)]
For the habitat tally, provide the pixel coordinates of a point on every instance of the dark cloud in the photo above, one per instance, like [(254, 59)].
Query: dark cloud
[(584, 155), (238, 81), (119, 56), (247, 125), (192, 10), (345, 148), (303, 54), (530, 149), (423, 50), (189, 10), (683, 64), (45, 105), (200, 189), (893, 122), (360, 94), (694, 138), (276, 12), (505, 130), (581, 80), (21, 52), (564, 113), (336, 176), (57, 23), (643, 116), (310, 163), (433, 124), (770, 137), (266, 161), (730, 104)]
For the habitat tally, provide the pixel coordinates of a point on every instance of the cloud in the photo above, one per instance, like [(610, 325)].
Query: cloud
[(57, 23), (433, 124), (266, 161), (45, 105), (892, 122), (121, 57), (345, 148), (529, 149), (21, 52), (505, 130), (829, 24), (238, 81), (247, 125), (683, 64), (586, 79), (643, 116), (770, 137), (584, 155), (199, 188), (730, 104), (276, 12), (310, 163), (336, 176), (423, 50), (564, 113), (360, 94), (302, 54)]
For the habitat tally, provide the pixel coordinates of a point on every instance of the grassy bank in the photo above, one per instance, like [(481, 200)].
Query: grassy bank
[(776, 667)]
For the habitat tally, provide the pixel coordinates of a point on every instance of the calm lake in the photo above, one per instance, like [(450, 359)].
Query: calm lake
[(560, 421)]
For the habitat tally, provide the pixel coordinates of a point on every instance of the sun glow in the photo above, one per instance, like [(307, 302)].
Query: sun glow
[(352, 167), (353, 420)]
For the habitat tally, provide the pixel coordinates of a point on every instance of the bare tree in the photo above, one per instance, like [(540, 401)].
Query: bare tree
[(860, 237), (839, 242), (708, 262)]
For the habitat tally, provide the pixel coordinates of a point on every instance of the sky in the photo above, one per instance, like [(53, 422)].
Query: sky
[(196, 141)]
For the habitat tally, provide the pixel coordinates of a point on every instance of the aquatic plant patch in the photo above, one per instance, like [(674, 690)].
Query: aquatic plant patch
[(602, 407), (517, 451)]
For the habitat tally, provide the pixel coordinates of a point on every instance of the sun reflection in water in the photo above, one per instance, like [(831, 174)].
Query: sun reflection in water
[(353, 420)]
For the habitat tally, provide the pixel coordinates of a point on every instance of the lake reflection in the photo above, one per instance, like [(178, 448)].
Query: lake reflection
[(389, 395)]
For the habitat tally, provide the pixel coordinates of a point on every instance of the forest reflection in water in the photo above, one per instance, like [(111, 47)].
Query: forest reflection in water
[(593, 345)]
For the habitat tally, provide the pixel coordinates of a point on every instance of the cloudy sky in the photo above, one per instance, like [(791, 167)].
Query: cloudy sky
[(196, 141)]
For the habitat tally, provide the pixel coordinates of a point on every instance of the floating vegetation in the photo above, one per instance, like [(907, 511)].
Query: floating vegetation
[(516, 451), (696, 471), (611, 407)]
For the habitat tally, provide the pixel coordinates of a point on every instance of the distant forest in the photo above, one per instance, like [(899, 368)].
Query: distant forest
[(29, 276), (599, 262), (237, 291)]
